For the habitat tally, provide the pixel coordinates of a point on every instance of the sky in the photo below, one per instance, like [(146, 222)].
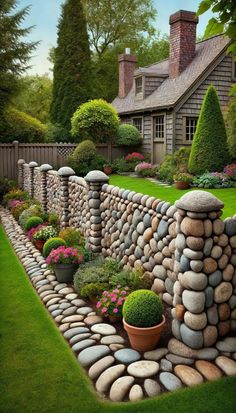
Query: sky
[(44, 15)]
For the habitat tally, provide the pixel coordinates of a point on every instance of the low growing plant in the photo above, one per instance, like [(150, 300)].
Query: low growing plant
[(51, 244), (145, 169), (16, 194), (19, 208), (33, 222), (53, 219), (64, 255), (111, 302), (183, 177), (93, 290), (212, 180), (45, 233), (5, 186), (32, 231), (72, 236), (135, 279), (230, 171), (32, 210)]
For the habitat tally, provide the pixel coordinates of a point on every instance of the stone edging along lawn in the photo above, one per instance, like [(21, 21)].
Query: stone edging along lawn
[(119, 373)]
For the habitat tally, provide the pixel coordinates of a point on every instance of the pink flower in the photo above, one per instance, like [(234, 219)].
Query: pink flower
[(104, 310), (115, 310), (120, 301), (98, 304), (123, 292), (105, 300), (113, 300)]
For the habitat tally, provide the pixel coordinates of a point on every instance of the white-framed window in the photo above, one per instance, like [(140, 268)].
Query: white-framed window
[(138, 85), (159, 127), (190, 127), (138, 123)]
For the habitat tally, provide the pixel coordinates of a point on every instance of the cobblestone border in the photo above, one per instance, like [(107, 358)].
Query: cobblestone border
[(118, 373)]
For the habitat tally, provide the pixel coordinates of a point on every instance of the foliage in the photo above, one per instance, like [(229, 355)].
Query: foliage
[(56, 133), (15, 52), (135, 279), (128, 135), (145, 169), (84, 158), (212, 180), (121, 165), (53, 219), (93, 290), (209, 150), (19, 208), (143, 308), (33, 222), (168, 169), (230, 120), (45, 233), (96, 120), (134, 157), (72, 236), (15, 194), (5, 186), (72, 65), (34, 97), (86, 252), (22, 127), (111, 302), (183, 177), (52, 243), (230, 171), (32, 210), (98, 270), (63, 255), (32, 231)]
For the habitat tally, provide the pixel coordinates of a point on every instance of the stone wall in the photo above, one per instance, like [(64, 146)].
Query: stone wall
[(78, 204), (53, 192), (37, 185)]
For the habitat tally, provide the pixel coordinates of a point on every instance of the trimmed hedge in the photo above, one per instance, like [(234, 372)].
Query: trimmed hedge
[(128, 135), (33, 222), (85, 158), (209, 151), (52, 244)]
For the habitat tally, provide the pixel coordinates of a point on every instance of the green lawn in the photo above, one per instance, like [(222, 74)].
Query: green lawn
[(39, 373), (171, 194)]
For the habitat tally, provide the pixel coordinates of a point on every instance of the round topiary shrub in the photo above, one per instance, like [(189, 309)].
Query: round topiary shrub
[(128, 135), (96, 120), (32, 211), (33, 222), (52, 244), (84, 158), (143, 308)]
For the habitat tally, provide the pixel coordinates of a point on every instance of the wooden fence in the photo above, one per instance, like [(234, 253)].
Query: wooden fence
[(54, 154)]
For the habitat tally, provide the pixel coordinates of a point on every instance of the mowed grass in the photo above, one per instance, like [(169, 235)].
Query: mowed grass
[(171, 194), (39, 373)]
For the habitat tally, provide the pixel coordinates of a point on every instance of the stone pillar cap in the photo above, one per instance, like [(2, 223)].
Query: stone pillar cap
[(66, 171), (199, 201), (33, 164), (20, 161), (96, 176), (45, 167)]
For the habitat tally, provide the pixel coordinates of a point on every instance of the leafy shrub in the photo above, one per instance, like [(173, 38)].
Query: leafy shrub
[(16, 194), (33, 222), (85, 158), (93, 290), (143, 308), (231, 127), (32, 210), (22, 127), (134, 279), (5, 186), (173, 164), (144, 169), (32, 231), (19, 208), (209, 150), (230, 171), (72, 236), (128, 135), (183, 177), (52, 244), (45, 233), (121, 165), (111, 302), (98, 270), (56, 133), (212, 180), (86, 252), (96, 120), (53, 219)]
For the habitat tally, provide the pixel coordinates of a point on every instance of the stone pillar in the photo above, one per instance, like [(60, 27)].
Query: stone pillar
[(43, 172), (20, 177), (95, 180), (32, 165), (64, 174), (200, 259)]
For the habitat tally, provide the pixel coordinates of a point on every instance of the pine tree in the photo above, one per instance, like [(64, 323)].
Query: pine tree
[(209, 151), (72, 67), (14, 51)]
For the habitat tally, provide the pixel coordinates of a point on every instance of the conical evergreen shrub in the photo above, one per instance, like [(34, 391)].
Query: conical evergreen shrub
[(209, 151)]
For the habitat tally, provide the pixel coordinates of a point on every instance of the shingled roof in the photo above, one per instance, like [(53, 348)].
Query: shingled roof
[(171, 90)]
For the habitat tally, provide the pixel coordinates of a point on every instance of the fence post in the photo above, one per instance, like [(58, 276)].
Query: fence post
[(64, 174), (32, 165), (16, 153), (43, 172), (95, 180), (199, 288), (20, 176)]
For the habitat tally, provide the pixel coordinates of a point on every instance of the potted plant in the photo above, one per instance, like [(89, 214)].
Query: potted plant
[(182, 180), (108, 168), (64, 261), (41, 236), (111, 303), (143, 319)]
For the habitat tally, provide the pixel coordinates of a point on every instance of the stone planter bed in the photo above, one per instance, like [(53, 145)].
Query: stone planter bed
[(118, 372)]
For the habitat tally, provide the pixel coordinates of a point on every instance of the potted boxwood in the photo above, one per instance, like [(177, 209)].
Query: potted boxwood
[(182, 180), (143, 319), (108, 168), (64, 261), (41, 236)]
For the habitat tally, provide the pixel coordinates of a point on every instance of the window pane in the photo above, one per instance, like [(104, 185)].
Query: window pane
[(138, 123), (138, 85), (191, 124), (158, 127)]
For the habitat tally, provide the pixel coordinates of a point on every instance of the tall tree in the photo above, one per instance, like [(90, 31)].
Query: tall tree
[(14, 50), (72, 67)]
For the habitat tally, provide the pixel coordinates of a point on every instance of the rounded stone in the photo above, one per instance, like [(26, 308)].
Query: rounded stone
[(180, 242), (105, 380), (223, 292), (97, 368), (136, 393), (120, 388), (104, 329), (159, 271), (194, 301), (74, 331), (227, 365), (208, 246), (224, 328), (207, 353), (209, 293), (83, 344), (170, 381), (184, 263), (113, 339), (151, 387), (228, 272), (215, 278), (209, 336), (180, 349), (209, 265), (96, 176), (93, 319), (127, 355), (212, 315), (166, 365), (162, 230), (207, 227), (195, 321), (92, 354), (196, 265), (199, 201), (188, 375), (218, 226), (179, 311), (230, 226), (222, 240), (224, 311), (156, 354), (45, 167), (147, 235), (191, 338), (143, 368), (208, 370), (232, 241), (192, 255), (65, 171), (178, 359), (195, 281), (216, 252), (195, 243), (223, 261)]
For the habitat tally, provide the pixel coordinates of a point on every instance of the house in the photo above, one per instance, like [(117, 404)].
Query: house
[(163, 100)]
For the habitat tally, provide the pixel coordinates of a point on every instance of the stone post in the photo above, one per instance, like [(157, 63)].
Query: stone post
[(64, 174), (20, 177), (32, 165), (202, 254), (95, 180), (43, 172)]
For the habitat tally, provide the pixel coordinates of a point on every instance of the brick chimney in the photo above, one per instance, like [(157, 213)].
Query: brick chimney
[(127, 65), (183, 26)]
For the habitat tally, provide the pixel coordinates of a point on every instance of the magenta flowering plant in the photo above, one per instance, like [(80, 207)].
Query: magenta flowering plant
[(134, 156), (64, 255), (111, 302), (230, 171), (33, 230), (15, 203)]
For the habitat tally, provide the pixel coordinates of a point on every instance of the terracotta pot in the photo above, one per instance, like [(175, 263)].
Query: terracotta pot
[(64, 272), (39, 244), (107, 170), (181, 185), (144, 339)]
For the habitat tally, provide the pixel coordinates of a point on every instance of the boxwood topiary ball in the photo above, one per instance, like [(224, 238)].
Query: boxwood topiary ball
[(52, 244), (143, 308), (33, 222)]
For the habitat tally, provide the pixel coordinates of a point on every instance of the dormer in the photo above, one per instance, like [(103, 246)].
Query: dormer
[(148, 79)]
